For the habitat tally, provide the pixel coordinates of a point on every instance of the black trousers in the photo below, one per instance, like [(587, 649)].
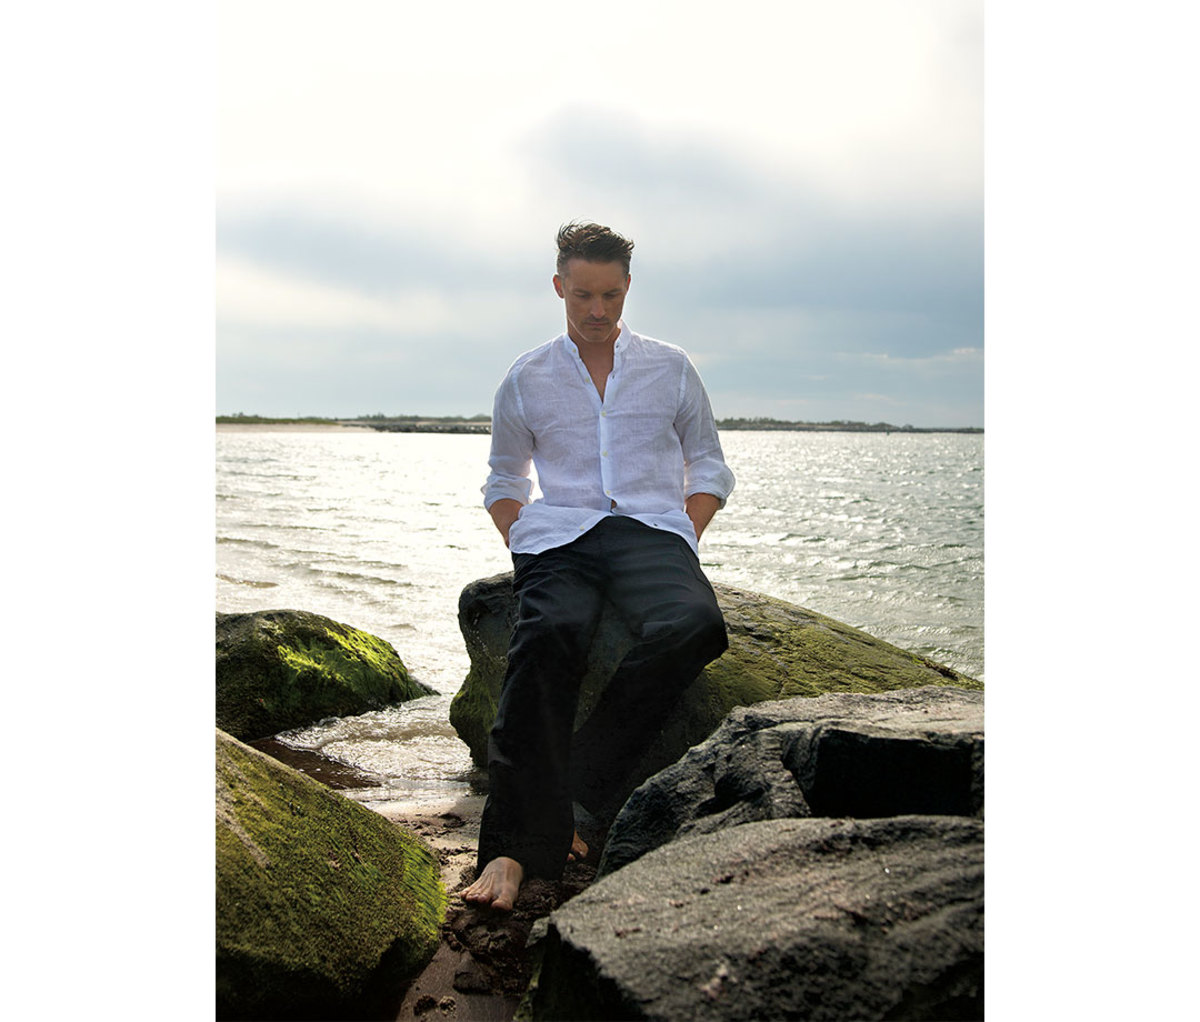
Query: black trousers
[(536, 768)]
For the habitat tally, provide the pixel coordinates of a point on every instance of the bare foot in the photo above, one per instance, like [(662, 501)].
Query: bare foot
[(579, 849), (497, 885)]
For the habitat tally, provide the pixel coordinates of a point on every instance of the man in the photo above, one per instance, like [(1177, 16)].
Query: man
[(621, 433)]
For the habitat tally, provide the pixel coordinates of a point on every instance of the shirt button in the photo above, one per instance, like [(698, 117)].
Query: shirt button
[(604, 454)]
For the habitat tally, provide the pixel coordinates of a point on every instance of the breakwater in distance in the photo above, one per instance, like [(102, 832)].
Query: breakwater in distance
[(482, 424)]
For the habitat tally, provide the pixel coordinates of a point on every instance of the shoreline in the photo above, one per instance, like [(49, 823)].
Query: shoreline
[(484, 429), (290, 427)]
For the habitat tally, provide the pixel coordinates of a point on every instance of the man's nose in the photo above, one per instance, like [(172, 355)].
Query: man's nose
[(597, 309)]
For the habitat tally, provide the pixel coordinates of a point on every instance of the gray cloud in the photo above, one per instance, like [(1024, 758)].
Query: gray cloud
[(784, 293), (371, 258), (754, 243), (356, 373)]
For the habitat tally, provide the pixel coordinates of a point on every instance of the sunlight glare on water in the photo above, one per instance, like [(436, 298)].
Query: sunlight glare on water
[(383, 530)]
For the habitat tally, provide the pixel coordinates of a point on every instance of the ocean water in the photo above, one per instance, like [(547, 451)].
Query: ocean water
[(383, 530)]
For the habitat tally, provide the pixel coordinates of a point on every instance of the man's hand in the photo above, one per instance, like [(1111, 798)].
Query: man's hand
[(504, 512), (700, 508)]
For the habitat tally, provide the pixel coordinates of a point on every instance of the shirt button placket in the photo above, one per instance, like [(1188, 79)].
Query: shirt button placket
[(605, 474)]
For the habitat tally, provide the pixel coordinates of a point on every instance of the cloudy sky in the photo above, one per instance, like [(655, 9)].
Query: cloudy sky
[(803, 182)]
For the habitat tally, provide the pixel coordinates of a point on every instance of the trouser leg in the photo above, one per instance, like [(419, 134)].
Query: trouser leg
[(528, 815), (657, 585)]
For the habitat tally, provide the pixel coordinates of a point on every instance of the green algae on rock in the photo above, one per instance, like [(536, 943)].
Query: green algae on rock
[(324, 909), (776, 650), (280, 669)]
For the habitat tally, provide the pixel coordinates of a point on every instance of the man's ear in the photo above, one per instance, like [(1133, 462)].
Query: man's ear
[(558, 286)]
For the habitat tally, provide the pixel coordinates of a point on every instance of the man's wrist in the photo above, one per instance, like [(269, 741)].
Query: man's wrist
[(504, 512), (700, 508)]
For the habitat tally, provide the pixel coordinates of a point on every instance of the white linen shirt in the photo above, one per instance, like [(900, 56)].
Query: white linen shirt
[(649, 445)]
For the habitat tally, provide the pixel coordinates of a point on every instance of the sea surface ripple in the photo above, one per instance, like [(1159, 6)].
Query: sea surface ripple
[(383, 530)]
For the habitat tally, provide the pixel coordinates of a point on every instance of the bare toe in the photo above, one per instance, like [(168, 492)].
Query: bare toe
[(498, 884)]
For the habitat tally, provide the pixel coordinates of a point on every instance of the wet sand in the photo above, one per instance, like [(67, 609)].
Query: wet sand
[(482, 966)]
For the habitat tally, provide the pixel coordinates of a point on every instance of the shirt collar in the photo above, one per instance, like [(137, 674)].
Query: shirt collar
[(619, 345)]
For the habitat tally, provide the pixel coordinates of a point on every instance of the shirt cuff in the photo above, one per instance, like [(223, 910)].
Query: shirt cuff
[(718, 483), (506, 489)]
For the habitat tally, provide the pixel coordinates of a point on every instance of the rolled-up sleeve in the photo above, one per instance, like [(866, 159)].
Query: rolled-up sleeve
[(704, 468), (512, 448)]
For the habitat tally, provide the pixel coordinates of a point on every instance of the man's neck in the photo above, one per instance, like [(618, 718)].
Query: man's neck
[(598, 358)]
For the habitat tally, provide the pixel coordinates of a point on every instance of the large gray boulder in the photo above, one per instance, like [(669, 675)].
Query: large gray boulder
[(776, 650), (280, 669), (800, 918), (914, 751)]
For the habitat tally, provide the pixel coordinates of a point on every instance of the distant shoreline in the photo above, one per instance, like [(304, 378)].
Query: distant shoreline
[(257, 423), (287, 426)]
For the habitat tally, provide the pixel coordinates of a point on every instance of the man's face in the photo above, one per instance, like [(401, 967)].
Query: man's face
[(594, 294)]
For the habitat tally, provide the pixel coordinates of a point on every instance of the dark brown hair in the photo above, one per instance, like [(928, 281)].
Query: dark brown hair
[(593, 243)]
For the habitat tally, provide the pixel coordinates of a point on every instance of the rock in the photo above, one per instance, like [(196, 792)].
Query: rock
[(324, 908), (804, 919), (896, 753), (776, 650), (280, 669)]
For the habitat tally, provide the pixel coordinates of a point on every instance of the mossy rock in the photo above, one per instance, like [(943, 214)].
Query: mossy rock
[(280, 669), (777, 650), (324, 908)]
